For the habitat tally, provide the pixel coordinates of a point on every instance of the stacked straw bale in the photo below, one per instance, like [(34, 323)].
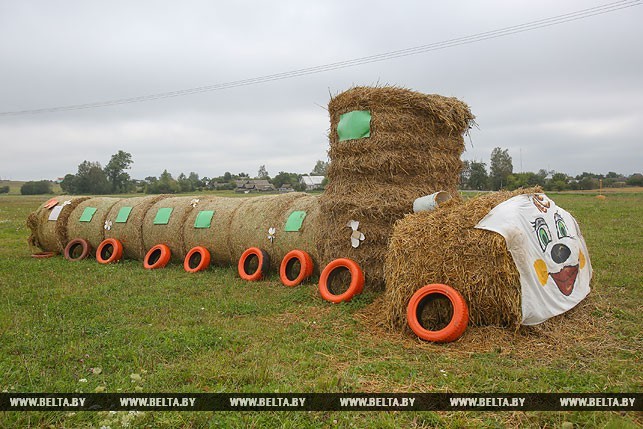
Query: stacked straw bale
[(170, 234), (413, 150), (48, 235), (130, 233), (442, 246), (93, 231)]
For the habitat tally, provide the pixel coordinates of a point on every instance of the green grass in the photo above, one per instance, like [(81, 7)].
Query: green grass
[(211, 332)]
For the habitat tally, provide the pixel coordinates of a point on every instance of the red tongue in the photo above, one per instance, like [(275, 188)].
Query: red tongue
[(565, 279)]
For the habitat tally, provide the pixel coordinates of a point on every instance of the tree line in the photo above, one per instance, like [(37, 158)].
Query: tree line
[(93, 179), (475, 176)]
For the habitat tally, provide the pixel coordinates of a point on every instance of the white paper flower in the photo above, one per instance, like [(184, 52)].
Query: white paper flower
[(271, 234), (108, 225), (66, 203), (356, 236), (194, 202)]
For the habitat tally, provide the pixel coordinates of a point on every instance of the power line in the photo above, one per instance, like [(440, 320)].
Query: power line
[(502, 32)]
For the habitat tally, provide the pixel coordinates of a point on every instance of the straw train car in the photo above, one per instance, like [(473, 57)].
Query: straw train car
[(389, 147)]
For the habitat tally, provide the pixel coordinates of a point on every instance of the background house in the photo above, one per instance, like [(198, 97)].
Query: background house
[(312, 182)]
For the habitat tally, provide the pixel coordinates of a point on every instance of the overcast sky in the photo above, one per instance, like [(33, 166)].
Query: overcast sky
[(567, 97)]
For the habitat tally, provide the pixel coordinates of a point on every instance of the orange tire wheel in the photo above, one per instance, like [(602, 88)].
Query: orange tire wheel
[(109, 251), (157, 257), (253, 264), (337, 270), (77, 249), (197, 259), (43, 255), (296, 267), (421, 302)]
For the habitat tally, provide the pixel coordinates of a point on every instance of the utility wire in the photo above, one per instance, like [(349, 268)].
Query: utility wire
[(502, 32)]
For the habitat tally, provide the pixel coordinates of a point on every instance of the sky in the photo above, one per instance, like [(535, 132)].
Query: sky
[(565, 97)]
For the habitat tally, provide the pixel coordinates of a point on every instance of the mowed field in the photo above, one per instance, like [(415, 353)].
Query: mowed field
[(83, 327)]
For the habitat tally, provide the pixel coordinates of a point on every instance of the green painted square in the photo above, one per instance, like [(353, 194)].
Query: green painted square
[(204, 219), (88, 214), (295, 220), (162, 216), (123, 214), (354, 125)]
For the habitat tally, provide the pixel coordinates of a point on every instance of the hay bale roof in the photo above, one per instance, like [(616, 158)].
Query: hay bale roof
[(453, 114)]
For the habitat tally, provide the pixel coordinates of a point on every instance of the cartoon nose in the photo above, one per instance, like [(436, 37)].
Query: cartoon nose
[(560, 253)]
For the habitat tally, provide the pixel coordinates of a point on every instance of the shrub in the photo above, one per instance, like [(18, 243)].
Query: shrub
[(36, 188)]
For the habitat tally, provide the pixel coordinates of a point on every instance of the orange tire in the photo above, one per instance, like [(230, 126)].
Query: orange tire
[(109, 251), (356, 285), (77, 250), (43, 255), (197, 259), (157, 257), (247, 261), (286, 275), (456, 326)]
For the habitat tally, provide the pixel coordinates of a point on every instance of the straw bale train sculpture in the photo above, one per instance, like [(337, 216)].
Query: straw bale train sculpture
[(502, 258)]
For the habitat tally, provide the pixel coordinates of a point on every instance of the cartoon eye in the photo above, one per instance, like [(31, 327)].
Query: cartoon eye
[(561, 227), (542, 232)]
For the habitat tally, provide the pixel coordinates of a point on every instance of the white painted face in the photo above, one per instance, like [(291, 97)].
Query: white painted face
[(548, 250)]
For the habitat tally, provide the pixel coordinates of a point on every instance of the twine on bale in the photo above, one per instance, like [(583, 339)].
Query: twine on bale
[(413, 150), (442, 246)]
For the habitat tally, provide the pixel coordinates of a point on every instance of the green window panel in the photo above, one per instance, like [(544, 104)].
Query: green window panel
[(88, 214), (123, 214), (204, 219), (162, 216), (295, 220), (354, 125)]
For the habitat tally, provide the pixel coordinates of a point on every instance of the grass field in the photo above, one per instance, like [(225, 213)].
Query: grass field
[(82, 327)]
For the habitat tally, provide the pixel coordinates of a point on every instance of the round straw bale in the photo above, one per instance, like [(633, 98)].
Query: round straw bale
[(49, 235), (253, 219), (215, 238), (170, 234), (94, 230), (413, 150), (130, 233), (442, 246)]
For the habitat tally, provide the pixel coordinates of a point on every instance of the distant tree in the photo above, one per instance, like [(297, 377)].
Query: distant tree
[(558, 182), (478, 178), (501, 167), (635, 180), (292, 179), (227, 176), (4, 189), (36, 187), (185, 185), (524, 180), (263, 173), (68, 184), (165, 184), (115, 171), (91, 179), (320, 168), (242, 174)]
